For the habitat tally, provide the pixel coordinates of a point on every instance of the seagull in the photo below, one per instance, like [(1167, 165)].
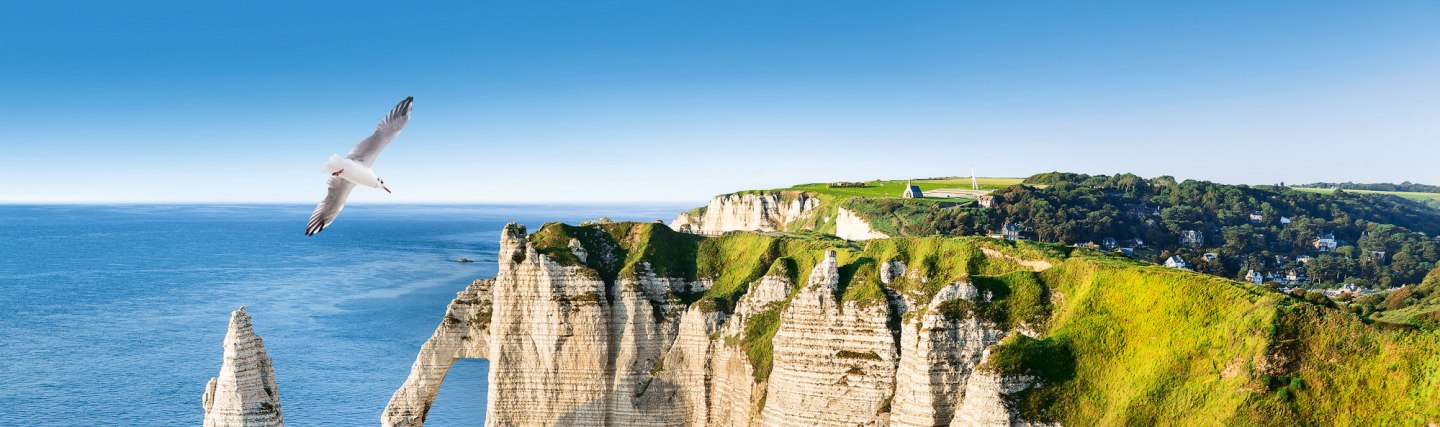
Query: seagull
[(355, 167)]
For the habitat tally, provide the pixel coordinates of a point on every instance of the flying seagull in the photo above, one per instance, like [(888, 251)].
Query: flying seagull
[(355, 168)]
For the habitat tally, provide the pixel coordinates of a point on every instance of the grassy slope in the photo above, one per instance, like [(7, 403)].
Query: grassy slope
[(1154, 346), (1125, 343), (1419, 197), (1420, 304)]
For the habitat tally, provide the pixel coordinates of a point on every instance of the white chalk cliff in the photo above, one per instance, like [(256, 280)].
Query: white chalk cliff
[(850, 226), (568, 347), (762, 211), (244, 394), (772, 211)]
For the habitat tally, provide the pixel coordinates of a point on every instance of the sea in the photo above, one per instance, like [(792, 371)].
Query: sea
[(114, 315)]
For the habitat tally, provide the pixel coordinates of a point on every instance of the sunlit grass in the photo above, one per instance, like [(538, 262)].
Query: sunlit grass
[(1416, 196)]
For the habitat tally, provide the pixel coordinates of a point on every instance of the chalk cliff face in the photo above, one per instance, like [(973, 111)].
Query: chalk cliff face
[(938, 355), (464, 333), (245, 393), (765, 211), (573, 342), (773, 211), (850, 226), (830, 354)]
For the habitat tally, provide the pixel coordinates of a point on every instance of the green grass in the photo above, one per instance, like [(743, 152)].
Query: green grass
[(1419, 197), (900, 217), (1417, 306), (895, 188), (758, 340), (1153, 346), (1017, 298)]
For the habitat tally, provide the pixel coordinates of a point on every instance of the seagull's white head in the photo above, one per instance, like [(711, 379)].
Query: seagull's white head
[(382, 184)]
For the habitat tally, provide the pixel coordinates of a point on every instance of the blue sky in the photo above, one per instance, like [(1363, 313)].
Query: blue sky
[(676, 101)]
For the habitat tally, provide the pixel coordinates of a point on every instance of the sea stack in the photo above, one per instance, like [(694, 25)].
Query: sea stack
[(244, 394)]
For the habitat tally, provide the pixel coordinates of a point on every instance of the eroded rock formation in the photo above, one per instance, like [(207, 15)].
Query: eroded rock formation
[(464, 333), (244, 394), (571, 345), (763, 211)]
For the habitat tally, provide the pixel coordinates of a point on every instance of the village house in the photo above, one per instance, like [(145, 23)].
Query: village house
[(1109, 243), (1011, 231), (1378, 256), (1142, 209), (1349, 289), (1130, 252), (1211, 257), (912, 191), (1326, 242), (986, 201), (1177, 262), (1305, 259), (1255, 277), (1295, 277), (1192, 238), (1284, 221), (1257, 217)]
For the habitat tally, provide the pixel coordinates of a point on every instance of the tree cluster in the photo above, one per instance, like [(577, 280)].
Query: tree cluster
[(1383, 240)]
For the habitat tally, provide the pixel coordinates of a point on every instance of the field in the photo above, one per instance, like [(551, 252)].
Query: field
[(895, 188), (1419, 197)]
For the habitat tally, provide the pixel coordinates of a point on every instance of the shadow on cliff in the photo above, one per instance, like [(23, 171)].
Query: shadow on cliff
[(848, 272), (1051, 361)]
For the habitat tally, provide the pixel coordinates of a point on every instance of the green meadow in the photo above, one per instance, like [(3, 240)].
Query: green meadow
[(894, 188), (1416, 196)]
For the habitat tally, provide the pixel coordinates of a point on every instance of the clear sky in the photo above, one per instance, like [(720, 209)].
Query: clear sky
[(204, 101)]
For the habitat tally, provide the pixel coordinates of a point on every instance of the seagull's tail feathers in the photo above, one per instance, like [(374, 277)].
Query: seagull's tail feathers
[(335, 164)]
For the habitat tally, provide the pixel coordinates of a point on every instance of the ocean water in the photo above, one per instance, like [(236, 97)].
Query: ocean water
[(114, 315)]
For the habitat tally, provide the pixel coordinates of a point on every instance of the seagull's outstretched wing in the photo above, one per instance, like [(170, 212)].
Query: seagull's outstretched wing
[(367, 150), (328, 209)]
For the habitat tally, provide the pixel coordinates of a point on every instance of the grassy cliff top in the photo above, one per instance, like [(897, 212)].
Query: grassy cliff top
[(894, 188), (735, 260)]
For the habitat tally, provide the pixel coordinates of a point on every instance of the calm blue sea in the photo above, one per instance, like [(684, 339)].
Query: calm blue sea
[(114, 315)]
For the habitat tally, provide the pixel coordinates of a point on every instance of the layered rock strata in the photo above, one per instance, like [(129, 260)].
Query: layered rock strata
[(938, 355), (571, 345), (765, 211), (830, 354), (464, 333), (244, 394)]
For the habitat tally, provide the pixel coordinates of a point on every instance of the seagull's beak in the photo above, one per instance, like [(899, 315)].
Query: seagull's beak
[(387, 189)]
